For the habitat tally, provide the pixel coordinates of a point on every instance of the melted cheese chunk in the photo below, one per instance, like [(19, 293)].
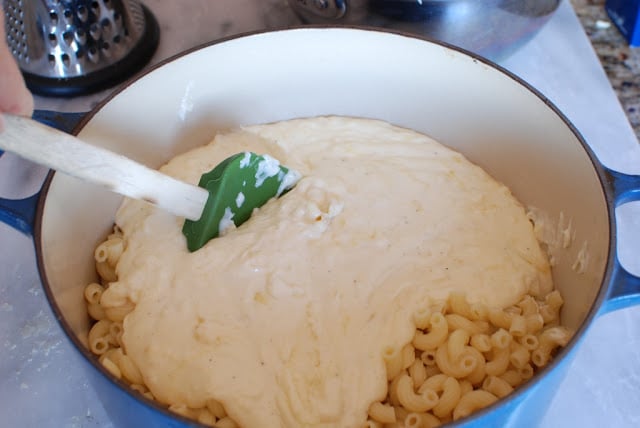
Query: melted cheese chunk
[(285, 318)]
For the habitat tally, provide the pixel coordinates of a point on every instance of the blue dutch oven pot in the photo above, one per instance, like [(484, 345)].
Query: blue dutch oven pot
[(461, 100)]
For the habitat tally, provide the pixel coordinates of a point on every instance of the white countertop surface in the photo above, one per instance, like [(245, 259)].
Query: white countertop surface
[(40, 383)]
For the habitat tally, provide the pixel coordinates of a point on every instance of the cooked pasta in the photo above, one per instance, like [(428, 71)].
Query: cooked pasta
[(471, 401), (216, 408), (96, 311), (412, 401), (554, 300), (449, 398), (99, 337), (471, 367), (456, 368), (438, 331), (497, 386), (520, 355), (129, 370), (383, 413), (498, 362), (111, 367), (421, 420), (421, 318), (549, 314), (408, 356), (501, 318), (518, 327), (93, 292), (459, 305), (528, 306), (393, 360), (480, 370), (109, 251), (117, 313), (205, 417), (462, 357), (457, 343), (526, 372), (534, 323), (512, 377), (481, 341), (226, 422), (419, 305), (106, 271), (418, 373), (529, 341), (428, 357), (182, 410), (501, 338), (456, 321)]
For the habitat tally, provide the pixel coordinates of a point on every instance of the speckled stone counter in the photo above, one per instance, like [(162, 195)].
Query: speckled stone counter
[(620, 62)]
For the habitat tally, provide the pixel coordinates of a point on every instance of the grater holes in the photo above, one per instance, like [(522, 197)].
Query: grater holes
[(67, 36), (117, 18), (95, 31), (53, 39), (81, 36), (70, 44), (106, 49), (92, 54), (82, 13), (106, 27)]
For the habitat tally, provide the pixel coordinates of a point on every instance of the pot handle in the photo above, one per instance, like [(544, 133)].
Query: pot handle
[(20, 213), (625, 287)]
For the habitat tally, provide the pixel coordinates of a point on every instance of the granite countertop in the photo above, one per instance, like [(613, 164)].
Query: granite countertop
[(620, 62)]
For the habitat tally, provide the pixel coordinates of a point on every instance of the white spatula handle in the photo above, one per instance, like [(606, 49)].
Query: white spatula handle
[(66, 153)]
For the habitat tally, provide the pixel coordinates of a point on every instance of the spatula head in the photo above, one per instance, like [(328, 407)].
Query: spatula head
[(237, 186)]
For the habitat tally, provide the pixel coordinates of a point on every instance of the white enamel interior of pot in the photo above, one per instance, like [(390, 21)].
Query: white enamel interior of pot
[(460, 101)]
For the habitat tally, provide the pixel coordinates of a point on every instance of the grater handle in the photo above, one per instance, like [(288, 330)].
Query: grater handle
[(68, 154)]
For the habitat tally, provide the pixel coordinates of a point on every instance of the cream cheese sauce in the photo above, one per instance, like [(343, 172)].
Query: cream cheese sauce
[(285, 318)]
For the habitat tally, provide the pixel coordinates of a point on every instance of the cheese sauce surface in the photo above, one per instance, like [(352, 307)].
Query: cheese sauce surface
[(284, 319)]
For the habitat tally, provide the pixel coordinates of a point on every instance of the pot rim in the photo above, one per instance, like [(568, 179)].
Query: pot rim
[(512, 399)]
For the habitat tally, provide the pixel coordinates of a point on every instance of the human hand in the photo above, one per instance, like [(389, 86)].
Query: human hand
[(15, 98)]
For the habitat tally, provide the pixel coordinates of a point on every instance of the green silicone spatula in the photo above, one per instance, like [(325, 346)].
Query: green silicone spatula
[(225, 196), (237, 186)]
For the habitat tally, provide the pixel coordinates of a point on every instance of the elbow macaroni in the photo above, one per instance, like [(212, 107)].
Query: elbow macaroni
[(484, 354), (382, 413), (463, 356)]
